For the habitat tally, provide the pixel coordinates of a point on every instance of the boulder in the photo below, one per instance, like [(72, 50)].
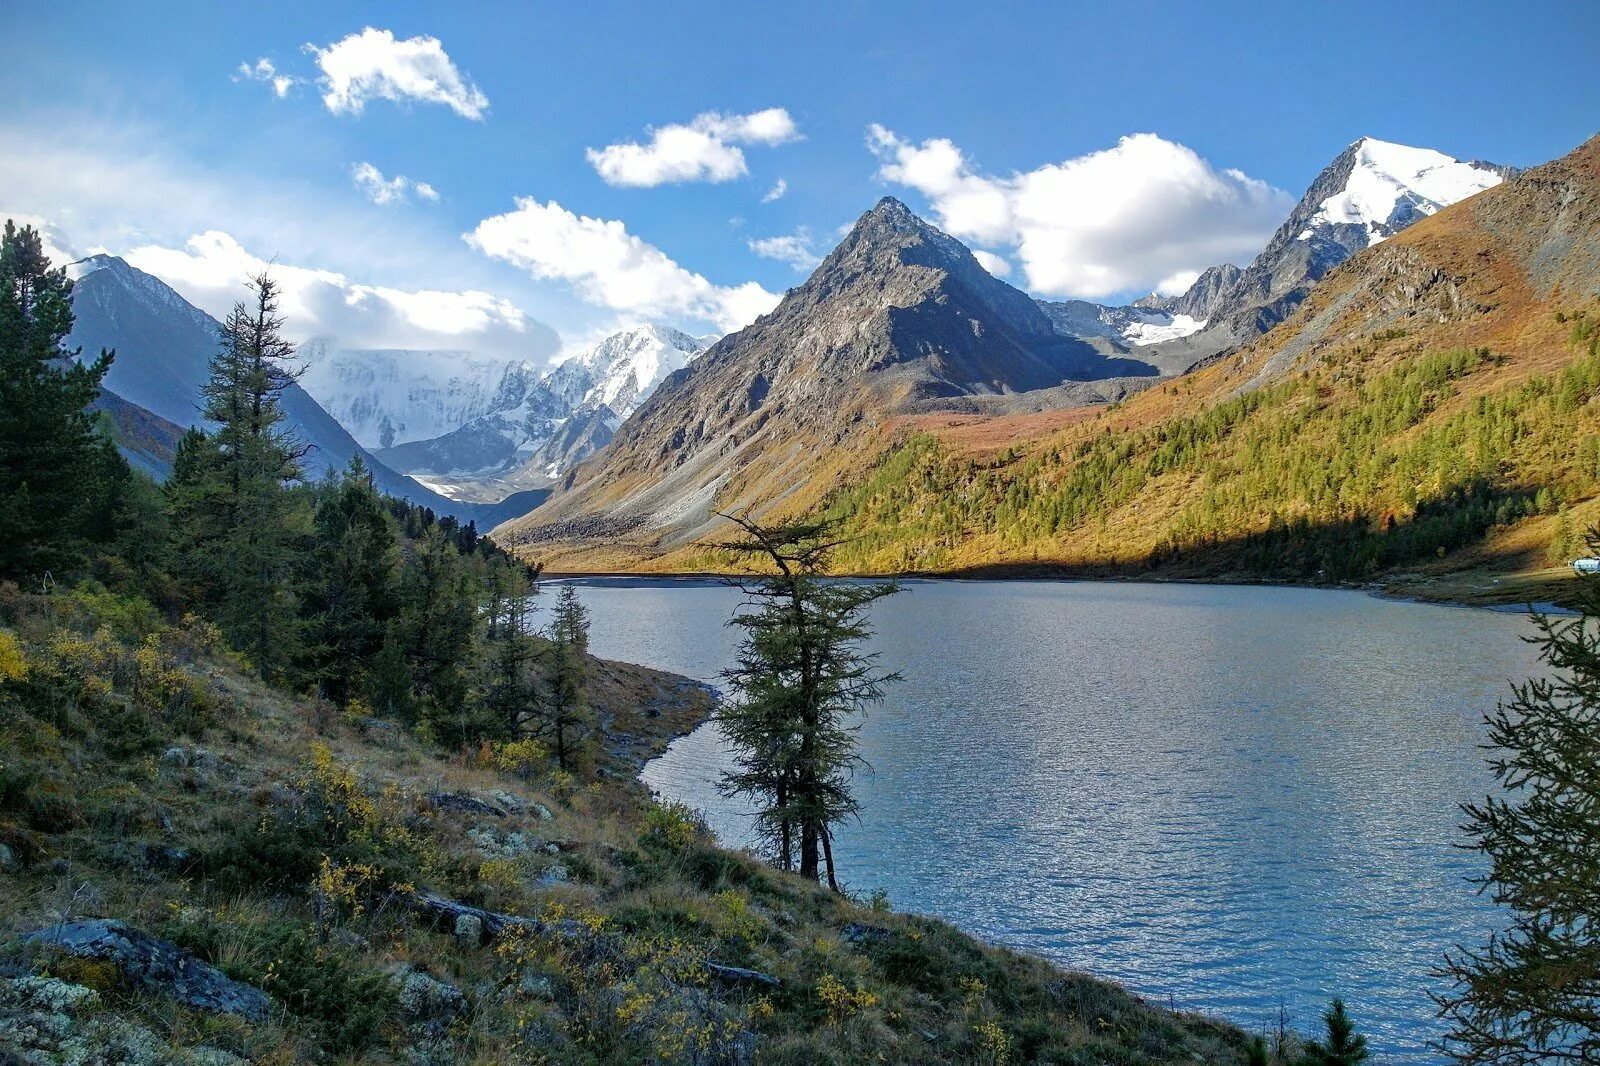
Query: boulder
[(464, 802), (428, 1003), (154, 965), (469, 930)]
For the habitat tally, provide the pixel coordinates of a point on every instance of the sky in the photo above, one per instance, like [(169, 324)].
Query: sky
[(520, 179)]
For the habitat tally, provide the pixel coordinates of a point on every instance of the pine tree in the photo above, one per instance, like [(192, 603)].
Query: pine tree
[(800, 683), (1343, 1046), (58, 476), (1532, 994), (440, 612), (567, 710), (350, 596)]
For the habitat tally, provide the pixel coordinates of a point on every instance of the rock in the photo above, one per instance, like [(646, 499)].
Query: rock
[(513, 845), (428, 1003), (465, 802), (536, 986), (177, 758), (861, 933), (469, 930), (44, 1020), (512, 803), (556, 875), (740, 975), (552, 848), (9, 863), (155, 965), (544, 812)]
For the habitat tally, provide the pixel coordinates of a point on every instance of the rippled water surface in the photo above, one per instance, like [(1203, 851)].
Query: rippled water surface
[(1227, 798)]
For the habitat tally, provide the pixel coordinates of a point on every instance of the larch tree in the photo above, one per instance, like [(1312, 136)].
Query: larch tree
[(800, 686), (1532, 993)]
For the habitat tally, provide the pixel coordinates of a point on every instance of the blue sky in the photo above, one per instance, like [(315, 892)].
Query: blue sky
[(132, 129)]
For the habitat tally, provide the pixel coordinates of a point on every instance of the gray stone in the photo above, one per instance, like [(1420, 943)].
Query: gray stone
[(536, 986), (469, 930), (9, 863), (544, 812), (556, 875), (464, 802), (178, 758), (428, 1003), (155, 965)]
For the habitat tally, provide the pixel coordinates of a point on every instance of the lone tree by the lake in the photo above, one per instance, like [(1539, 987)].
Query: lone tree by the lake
[(800, 685), (1532, 993)]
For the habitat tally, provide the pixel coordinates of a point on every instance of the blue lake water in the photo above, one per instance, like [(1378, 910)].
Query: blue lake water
[(1230, 799)]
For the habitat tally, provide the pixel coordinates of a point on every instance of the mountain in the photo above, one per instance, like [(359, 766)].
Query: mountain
[(524, 435), (1370, 192), (899, 317), (163, 344), (1426, 414), (148, 441), (385, 397), (1427, 408)]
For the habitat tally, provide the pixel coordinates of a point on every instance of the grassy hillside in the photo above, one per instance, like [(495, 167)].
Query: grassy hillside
[(1382, 455), (145, 777)]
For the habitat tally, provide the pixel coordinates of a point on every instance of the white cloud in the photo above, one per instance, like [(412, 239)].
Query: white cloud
[(996, 265), (792, 248), (704, 149), (372, 65), (611, 267), (776, 192), (1123, 219), (396, 190), (211, 268), (263, 70)]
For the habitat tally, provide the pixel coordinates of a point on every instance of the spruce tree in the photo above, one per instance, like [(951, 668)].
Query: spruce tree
[(800, 686), (1532, 993), (350, 596), (440, 610), (58, 476), (509, 684), (567, 710), (237, 524), (1342, 1046)]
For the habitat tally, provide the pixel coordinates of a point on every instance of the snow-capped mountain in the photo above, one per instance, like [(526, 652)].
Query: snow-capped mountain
[(1133, 326), (1389, 186), (1371, 191), (527, 423), (385, 397)]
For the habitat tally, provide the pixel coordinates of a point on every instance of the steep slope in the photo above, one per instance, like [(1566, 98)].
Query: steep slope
[(146, 440), (899, 316), (518, 438), (1371, 191), (163, 344), (1431, 407)]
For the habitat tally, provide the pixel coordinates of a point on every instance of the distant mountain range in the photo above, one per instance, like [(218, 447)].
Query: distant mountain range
[(163, 344), (901, 322)]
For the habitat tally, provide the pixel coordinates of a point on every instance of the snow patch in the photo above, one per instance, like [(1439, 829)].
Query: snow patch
[(1391, 185)]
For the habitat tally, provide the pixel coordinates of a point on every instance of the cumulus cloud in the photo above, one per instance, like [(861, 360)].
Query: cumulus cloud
[(704, 149), (610, 267), (792, 248), (996, 265), (211, 269), (779, 187), (396, 190), (373, 65), (1130, 218), (263, 70)]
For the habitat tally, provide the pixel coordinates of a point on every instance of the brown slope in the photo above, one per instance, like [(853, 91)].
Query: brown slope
[(898, 317)]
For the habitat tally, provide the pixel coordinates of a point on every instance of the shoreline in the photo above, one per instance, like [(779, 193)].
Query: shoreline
[(1541, 599)]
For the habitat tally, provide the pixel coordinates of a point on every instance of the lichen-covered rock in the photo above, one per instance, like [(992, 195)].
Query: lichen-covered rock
[(506, 846), (466, 803), (154, 965), (44, 1020), (469, 930), (428, 1003)]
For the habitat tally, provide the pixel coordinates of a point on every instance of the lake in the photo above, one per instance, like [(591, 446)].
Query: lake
[(1232, 799)]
